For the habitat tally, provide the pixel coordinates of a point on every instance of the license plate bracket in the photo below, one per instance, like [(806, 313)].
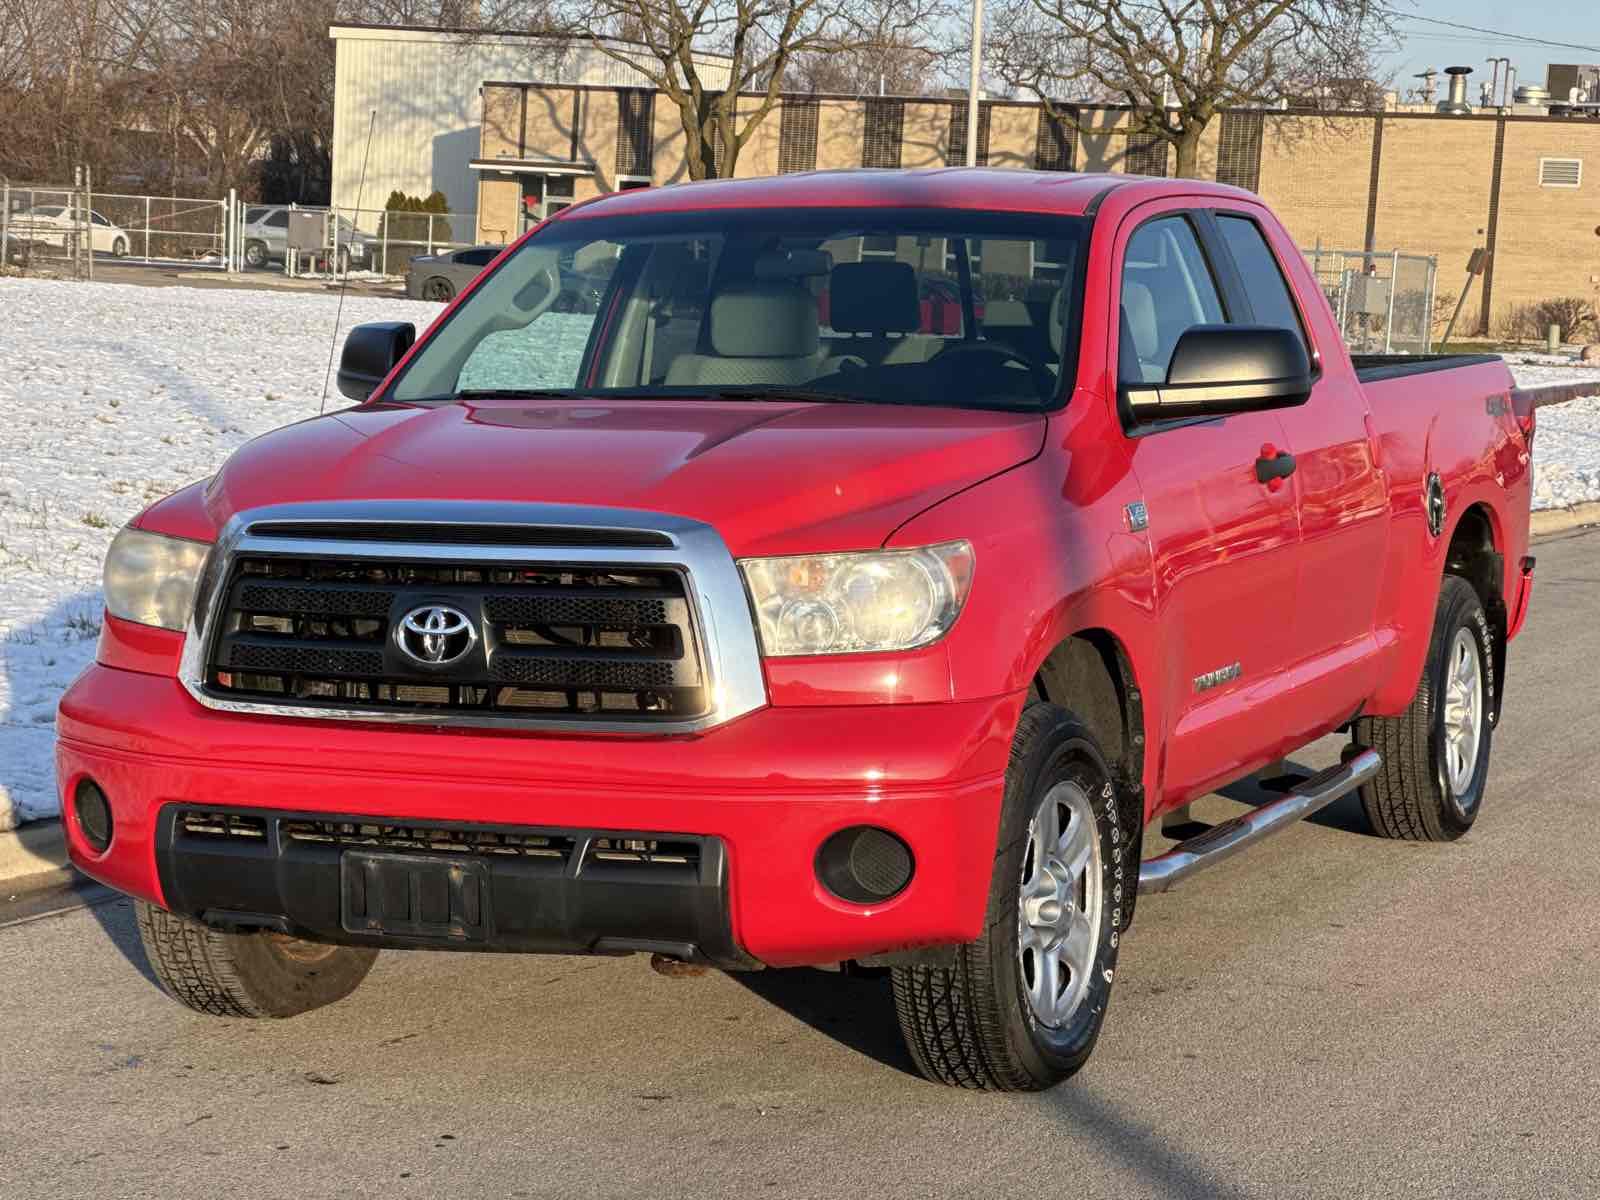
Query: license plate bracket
[(414, 895)]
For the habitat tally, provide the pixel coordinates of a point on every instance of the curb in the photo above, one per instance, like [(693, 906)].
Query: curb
[(33, 856), (1548, 521)]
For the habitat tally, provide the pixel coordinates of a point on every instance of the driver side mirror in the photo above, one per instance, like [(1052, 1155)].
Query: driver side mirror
[(370, 353), (1221, 369)]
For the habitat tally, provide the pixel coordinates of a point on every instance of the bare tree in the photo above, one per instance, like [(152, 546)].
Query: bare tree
[(1177, 63), (761, 41)]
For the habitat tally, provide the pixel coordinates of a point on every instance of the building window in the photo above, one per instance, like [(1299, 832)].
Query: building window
[(1146, 154), (1239, 150), (797, 135), (885, 126), (635, 131), (958, 134), (1560, 172), (1055, 144)]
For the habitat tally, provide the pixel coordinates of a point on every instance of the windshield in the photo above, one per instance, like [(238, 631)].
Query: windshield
[(940, 308)]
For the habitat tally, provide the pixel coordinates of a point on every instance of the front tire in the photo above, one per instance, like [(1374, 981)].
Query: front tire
[(1436, 753), (119, 248), (246, 974), (255, 254), (1023, 1005)]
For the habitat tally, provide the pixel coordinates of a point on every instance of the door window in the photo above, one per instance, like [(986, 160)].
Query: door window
[(1260, 273), (1167, 288)]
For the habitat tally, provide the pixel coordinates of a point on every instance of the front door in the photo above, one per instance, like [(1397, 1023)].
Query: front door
[(1225, 546)]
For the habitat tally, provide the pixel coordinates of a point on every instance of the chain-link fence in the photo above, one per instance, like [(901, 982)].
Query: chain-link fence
[(1384, 301), (46, 230), (65, 230), (361, 242)]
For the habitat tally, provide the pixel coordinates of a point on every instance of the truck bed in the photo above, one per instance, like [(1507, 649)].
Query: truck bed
[(1370, 368)]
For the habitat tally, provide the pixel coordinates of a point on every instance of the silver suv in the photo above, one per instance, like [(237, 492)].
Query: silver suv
[(266, 239)]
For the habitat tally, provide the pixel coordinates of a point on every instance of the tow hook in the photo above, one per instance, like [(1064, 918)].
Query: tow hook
[(675, 968)]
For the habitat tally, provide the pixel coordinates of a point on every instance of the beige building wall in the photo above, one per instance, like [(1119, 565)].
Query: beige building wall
[(841, 128), (1433, 195), (499, 208), (1013, 134), (1315, 174), (1434, 181), (927, 135), (1548, 238)]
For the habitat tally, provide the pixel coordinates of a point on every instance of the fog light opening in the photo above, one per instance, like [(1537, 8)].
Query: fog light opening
[(93, 813), (864, 864)]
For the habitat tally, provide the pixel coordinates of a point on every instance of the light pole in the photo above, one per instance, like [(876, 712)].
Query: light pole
[(972, 84)]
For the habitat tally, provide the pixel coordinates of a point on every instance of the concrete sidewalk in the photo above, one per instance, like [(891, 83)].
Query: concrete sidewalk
[(33, 856)]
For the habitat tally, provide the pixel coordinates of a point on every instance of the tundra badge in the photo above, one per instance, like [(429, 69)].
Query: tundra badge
[(1222, 675)]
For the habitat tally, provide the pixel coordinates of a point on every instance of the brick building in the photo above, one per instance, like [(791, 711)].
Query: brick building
[(1524, 186)]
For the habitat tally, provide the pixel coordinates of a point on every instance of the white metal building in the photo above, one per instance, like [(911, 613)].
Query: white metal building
[(423, 84)]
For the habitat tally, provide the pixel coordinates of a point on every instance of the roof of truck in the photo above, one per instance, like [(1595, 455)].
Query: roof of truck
[(972, 188)]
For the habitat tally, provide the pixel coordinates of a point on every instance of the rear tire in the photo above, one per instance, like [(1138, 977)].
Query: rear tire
[(1436, 753), (246, 974), (255, 254), (1022, 1007), (438, 289)]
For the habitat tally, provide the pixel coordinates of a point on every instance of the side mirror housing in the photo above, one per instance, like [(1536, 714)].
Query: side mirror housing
[(370, 353), (1222, 369)]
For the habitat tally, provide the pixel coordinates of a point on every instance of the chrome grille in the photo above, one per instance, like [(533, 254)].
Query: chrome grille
[(558, 640)]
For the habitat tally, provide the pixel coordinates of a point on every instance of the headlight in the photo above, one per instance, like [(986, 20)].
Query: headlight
[(855, 603), (150, 578)]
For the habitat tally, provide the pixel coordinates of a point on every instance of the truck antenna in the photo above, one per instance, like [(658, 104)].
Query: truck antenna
[(344, 285)]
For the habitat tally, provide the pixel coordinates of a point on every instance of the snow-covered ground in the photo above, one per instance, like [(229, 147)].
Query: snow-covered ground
[(113, 395)]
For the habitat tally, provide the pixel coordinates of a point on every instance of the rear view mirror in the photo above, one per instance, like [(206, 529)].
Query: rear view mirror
[(370, 353), (1222, 369)]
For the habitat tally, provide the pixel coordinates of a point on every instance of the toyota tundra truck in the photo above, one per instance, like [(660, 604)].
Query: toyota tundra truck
[(764, 618)]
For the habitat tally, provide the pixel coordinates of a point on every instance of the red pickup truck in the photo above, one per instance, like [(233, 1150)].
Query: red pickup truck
[(701, 626)]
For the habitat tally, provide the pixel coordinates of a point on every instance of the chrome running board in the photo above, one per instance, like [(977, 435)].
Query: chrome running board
[(1165, 872)]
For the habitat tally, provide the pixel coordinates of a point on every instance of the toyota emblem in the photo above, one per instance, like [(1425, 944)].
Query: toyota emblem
[(435, 635)]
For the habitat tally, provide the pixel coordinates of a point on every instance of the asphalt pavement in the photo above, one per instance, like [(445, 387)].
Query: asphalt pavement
[(1329, 1014)]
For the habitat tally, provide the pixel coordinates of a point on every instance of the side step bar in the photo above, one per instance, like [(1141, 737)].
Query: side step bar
[(1217, 843)]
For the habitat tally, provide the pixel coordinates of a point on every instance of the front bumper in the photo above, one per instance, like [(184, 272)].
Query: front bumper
[(761, 794)]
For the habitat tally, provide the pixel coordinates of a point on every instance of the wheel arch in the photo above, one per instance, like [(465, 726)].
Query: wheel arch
[(1473, 554), (1091, 673)]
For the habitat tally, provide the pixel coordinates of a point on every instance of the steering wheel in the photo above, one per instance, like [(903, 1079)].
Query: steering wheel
[(999, 355)]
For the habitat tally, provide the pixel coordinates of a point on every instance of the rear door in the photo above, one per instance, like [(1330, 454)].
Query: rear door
[(1341, 494), (1225, 546)]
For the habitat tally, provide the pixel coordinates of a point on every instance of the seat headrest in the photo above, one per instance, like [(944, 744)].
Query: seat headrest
[(764, 319), (874, 297), (1060, 311), (1139, 306)]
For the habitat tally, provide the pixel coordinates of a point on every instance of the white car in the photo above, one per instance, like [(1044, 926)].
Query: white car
[(52, 224)]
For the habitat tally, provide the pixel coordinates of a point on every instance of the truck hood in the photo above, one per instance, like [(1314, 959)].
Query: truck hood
[(771, 477)]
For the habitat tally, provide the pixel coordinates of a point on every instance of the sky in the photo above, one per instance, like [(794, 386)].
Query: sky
[(1429, 43)]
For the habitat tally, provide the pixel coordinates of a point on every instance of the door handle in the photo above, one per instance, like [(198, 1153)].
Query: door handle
[(1273, 467)]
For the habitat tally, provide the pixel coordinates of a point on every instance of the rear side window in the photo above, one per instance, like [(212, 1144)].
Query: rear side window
[(476, 258), (1262, 277)]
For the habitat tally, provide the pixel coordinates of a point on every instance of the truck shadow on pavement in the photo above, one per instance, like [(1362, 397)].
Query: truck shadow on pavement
[(116, 920), (855, 1011), (1344, 814)]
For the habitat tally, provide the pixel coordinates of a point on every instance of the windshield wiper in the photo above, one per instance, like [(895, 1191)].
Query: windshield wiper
[(809, 395), (517, 394)]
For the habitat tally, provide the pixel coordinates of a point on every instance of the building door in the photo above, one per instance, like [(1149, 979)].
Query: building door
[(543, 196)]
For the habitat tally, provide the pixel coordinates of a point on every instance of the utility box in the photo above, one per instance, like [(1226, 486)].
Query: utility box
[(1369, 295), (307, 230)]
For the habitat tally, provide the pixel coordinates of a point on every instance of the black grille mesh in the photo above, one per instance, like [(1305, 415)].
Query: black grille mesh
[(553, 641)]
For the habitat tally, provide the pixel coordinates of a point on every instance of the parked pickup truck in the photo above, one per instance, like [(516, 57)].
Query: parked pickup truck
[(700, 627)]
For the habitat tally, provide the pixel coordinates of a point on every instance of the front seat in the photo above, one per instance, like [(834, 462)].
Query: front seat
[(760, 332), (879, 299)]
